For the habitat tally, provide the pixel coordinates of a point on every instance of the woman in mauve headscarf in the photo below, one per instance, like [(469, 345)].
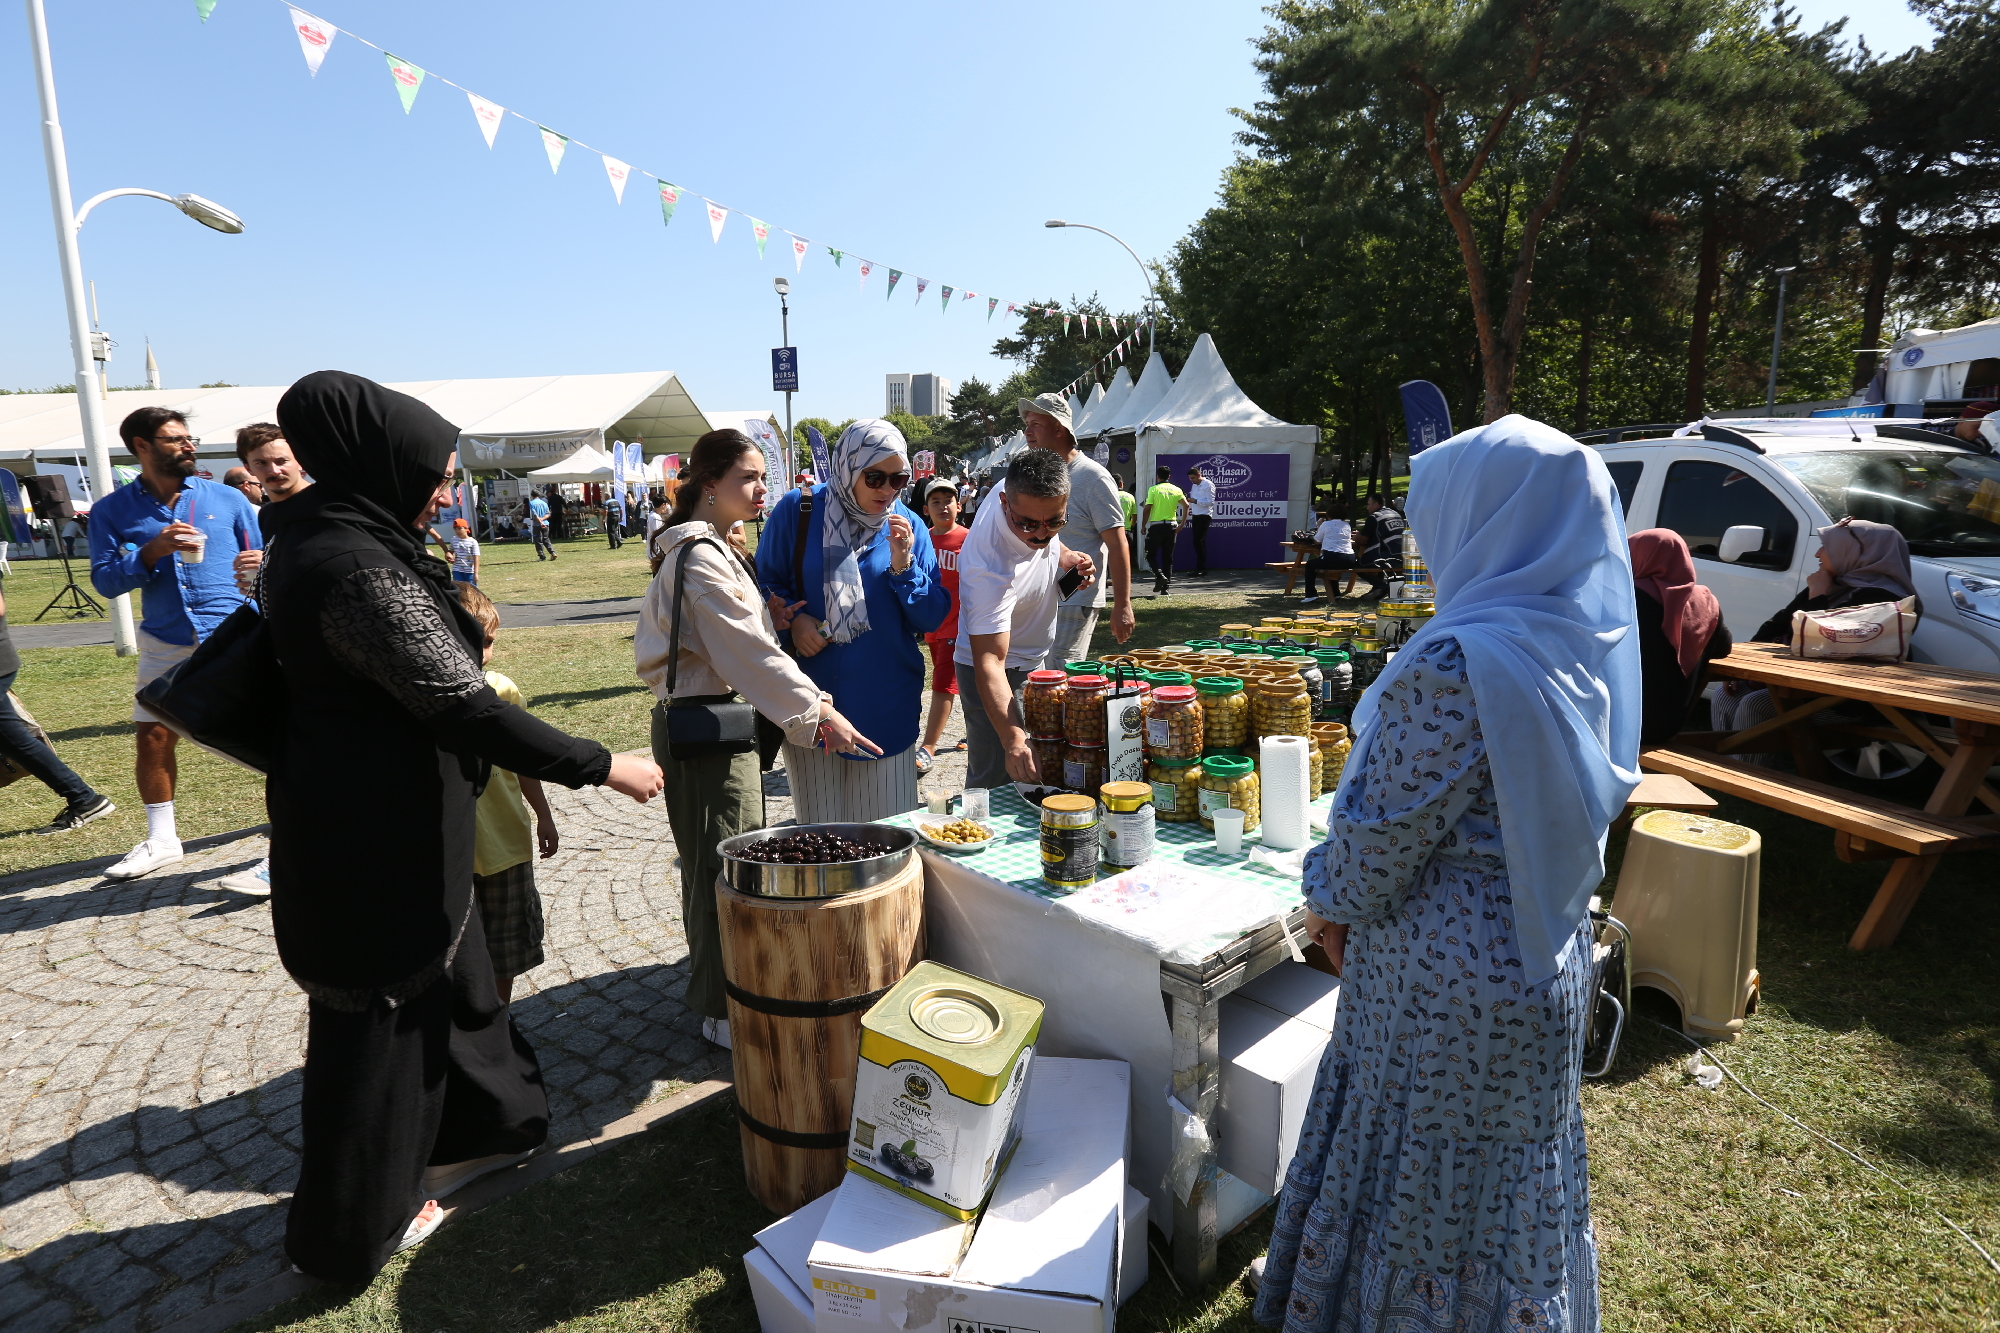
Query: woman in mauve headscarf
[(416, 1080), (1680, 629), (865, 589), (1440, 1181), (1860, 563)]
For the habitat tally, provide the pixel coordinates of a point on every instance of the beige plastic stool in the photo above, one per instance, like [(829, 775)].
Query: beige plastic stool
[(1688, 893)]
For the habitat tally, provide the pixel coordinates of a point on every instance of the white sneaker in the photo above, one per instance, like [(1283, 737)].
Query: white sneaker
[(256, 881), (716, 1030), (1308, 601), (1253, 1277), (144, 859)]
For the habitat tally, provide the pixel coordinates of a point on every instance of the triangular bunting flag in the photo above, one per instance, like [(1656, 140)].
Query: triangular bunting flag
[(799, 247), (408, 79), (487, 114), (895, 276), (761, 230), (1010, 307), (967, 296), (836, 255), (553, 144), (670, 199), (717, 215), (315, 36), (1065, 326), (944, 298), (993, 301), (204, 8), (867, 267), (618, 172), (921, 284)]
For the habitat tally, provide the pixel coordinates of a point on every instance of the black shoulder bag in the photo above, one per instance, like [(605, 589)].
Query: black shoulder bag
[(699, 730), (220, 698)]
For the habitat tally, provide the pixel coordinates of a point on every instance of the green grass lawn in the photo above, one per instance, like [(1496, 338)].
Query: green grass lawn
[(1711, 1211)]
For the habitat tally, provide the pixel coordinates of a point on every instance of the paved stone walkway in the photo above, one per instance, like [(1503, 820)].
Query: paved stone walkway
[(150, 1048)]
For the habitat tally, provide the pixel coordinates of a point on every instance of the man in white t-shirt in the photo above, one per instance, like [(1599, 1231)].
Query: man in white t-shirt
[(1336, 551), (1007, 598), (1096, 528), (1201, 508)]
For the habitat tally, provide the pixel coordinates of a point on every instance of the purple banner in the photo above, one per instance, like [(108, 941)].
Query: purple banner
[(1247, 525)]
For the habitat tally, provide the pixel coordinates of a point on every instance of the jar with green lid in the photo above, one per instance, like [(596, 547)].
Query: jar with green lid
[(1159, 678), (1042, 702), (1084, 668), (1309, 672), (1176, 785), (1173, 723), (1281, 707), (1229, 782), (1225, 712)]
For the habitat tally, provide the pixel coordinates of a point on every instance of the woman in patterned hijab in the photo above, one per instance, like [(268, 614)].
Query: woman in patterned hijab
[(851, 524)]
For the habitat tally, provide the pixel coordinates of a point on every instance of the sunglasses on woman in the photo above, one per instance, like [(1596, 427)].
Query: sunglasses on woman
[(876, 480)]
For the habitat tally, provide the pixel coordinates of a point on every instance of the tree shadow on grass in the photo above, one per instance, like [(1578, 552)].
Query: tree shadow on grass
[(649, 1235)]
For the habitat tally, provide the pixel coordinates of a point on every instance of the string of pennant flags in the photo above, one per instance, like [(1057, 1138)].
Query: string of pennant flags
[(1104, 363), (316, 37)]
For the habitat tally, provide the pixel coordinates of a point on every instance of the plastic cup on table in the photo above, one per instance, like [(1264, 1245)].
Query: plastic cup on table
[(974, 804), (1229, 832)]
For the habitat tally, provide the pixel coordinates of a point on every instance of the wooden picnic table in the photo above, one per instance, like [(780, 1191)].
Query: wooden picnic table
[(1866, 828)]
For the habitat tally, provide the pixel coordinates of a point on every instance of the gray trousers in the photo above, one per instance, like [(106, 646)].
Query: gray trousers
[(985, 759), (707, 800), (1074, 626)]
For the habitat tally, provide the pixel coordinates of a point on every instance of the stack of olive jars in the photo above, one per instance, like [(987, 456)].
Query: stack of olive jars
[(1084, 727), (1174, 734), (1042, 707)]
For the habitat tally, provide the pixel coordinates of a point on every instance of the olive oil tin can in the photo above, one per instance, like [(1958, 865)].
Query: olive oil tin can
[(1069, 841), (937, 1091)]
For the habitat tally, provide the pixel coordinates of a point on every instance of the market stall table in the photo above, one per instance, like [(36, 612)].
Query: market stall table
[(1866, 828), (989, 914)]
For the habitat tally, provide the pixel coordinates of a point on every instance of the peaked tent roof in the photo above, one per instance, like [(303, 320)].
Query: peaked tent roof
[(586, 464), (1090, 405), (1114, 399), (1075, 409), (1153, 387), (1206, 395), (650, 405)]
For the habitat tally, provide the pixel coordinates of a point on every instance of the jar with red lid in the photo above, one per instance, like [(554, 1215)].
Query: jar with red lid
[(1042, 702), (1173, 723), (1083, 710)]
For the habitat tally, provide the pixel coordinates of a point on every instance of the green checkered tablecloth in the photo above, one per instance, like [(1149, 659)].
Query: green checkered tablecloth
[(1015, 857)]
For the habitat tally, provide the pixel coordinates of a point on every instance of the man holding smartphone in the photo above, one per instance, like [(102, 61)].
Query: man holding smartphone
[(1096, 528), (1010, 572)]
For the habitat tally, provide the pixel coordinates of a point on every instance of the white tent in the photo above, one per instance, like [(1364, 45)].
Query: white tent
[(1106, 407), (1090, 405), (1075, 411), (1153, 386), (1208, 417), (1941, 363), (517, 423), (586, 464)]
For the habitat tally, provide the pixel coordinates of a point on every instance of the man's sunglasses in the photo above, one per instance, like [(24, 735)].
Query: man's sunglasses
[(173, 441), (1049, 525), (876, 480)]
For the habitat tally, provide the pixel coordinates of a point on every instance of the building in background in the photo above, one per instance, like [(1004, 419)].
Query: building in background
[(919, 395)]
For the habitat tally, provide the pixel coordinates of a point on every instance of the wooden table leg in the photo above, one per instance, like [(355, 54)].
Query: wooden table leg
[(1978, 747), (1198, 1085), (1807, 751)]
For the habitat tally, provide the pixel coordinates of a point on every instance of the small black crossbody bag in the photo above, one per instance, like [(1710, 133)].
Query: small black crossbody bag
[(701, 730)]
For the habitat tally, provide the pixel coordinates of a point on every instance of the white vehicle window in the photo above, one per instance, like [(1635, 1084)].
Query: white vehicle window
[(1943, 503), (1702, 499)]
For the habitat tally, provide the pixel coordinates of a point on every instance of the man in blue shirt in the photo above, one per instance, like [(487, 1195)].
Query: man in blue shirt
[(538, 527), (153, 536)]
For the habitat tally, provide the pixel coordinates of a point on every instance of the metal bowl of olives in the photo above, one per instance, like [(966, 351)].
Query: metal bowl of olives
[(815, 860)]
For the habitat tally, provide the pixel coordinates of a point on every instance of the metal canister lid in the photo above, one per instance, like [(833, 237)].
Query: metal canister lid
[(1069, 805), (1123, 796), (954, 1015)]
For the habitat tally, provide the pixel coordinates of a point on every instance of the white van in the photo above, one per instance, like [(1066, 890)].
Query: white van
[(1749, 495)]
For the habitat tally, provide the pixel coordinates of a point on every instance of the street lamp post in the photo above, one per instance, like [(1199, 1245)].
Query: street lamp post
[(1151, 300), (90, 409), (1777, 338), (783, 286)]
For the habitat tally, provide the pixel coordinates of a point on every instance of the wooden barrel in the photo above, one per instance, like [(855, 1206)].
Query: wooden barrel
[(799, 973)]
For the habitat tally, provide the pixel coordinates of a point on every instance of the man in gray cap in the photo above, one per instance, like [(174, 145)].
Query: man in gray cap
[(1096, 528)]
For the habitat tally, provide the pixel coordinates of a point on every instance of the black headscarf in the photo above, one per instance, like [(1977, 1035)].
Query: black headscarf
[(375, 457)]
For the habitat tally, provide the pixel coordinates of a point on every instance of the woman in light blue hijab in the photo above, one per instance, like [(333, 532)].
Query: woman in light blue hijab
[(1441, 1180)]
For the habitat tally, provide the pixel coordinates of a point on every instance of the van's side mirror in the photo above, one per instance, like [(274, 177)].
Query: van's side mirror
[(1739, 542)]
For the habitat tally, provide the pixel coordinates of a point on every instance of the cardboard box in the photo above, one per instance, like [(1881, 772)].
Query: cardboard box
[(1296, 991), (1134, 1247), (1043, 1257), (781, 1306), (1269, 1063)]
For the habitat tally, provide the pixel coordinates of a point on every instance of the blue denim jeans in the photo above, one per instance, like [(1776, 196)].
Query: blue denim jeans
[(20, 744)]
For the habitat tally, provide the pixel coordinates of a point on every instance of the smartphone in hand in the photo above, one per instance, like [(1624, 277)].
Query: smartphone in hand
[(1069, 582)]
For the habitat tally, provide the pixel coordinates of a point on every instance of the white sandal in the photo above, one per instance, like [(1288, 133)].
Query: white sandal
[(428, 1219)]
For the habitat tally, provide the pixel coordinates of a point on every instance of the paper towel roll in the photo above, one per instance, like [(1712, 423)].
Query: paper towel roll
[(1284, 768)]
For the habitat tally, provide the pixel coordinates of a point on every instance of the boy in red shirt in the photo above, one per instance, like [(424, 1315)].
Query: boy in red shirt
[(947, 535)]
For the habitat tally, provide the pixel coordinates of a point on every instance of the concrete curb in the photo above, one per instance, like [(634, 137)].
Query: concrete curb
[(272, 1292)]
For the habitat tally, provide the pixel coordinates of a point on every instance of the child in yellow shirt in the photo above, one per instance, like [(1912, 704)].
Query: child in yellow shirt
[(503, 849)]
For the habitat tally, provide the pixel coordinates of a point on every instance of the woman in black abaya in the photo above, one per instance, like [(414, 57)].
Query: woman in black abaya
[(415, 1079)]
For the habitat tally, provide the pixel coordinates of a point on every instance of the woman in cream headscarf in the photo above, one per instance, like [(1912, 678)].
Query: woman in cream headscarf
[(1440, 1180), (857, 572)]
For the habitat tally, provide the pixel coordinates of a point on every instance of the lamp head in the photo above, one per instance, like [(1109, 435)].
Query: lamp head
[(1055, 222), (783, 286), (208, 213)]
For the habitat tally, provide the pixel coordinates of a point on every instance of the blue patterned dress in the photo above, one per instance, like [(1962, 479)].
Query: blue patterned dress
[(1440, 1181)]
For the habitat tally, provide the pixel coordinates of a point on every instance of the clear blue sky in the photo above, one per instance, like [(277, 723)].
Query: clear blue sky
[(932, 137)]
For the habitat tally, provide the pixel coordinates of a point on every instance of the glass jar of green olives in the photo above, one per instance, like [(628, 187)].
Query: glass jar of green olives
[(1175, 789), (1229, 781), (1225, 712), (1282, 707)]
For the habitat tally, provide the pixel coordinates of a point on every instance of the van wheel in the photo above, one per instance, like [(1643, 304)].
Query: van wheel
[(1878, 761)]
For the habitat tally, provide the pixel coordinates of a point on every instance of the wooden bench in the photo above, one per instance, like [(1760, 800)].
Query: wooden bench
[(1865, 828)]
